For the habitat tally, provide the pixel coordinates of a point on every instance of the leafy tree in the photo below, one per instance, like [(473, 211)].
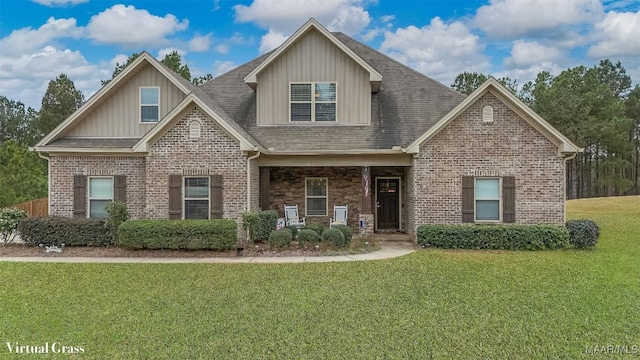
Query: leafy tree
[(467, 82), (201, 79), (60, 101), (23, 175), (17, 122), (173, 61)]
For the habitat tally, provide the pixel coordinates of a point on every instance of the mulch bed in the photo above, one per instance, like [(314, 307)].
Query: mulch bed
[(20, 250)]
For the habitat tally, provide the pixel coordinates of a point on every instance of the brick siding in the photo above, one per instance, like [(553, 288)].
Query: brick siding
[(468, 147)]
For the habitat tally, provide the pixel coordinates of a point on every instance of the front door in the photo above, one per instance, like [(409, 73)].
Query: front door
[(388, 204)]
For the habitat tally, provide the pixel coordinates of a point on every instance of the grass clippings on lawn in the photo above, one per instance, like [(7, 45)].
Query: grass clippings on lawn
[(435, 303)]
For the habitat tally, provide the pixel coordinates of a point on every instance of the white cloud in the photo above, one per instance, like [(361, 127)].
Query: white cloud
[(283, 17), (528, 53), (618, 34), (114, 26), (221, 67), (26, 77), (52, 3), (222, 49), (438, 50), (27, 40), (513, 18), (271, 40), (200, 43), (387, 18)]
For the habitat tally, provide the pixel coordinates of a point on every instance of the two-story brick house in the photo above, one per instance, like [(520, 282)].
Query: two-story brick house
[(320, 121)]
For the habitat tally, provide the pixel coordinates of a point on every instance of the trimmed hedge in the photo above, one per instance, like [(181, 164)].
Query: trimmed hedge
[(308, 235), (507, 237), (260, 224), (335, 236), (216, 234), (346, 231), (318, 228), (583, 233), (53, 230), (280, 238)]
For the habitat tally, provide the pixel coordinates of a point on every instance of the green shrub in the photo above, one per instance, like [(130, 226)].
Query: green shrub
[(318, 228), (260, 224), (346, 231), (509, 237), (280, 238), (335, 236), (583, 233), (9, 220), (308, 235), (53, 230), (216, 234), (294, 230), (117, 213)]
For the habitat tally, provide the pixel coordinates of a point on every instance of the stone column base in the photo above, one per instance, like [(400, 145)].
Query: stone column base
[(368, 224)]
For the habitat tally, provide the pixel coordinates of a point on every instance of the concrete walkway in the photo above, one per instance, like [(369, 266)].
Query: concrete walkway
[(387, 250)]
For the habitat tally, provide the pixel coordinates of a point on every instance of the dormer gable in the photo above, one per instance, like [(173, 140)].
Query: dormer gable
[(374, 76)]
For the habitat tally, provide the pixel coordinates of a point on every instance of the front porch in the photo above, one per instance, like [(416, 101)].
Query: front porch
[(375, 195)]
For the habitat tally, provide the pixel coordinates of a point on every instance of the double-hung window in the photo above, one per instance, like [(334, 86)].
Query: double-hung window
[(316, 196), (149, 104), (196, 197), (100, 193), (487, 199), (313, 102)]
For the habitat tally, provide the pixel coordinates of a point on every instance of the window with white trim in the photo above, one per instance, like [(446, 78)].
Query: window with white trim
[(316, 196), (149, 104), (100, 193), (313, 102), (487, 199), (196, 196)]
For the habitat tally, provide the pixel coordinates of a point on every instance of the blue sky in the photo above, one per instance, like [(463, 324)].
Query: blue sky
[(84, 39)]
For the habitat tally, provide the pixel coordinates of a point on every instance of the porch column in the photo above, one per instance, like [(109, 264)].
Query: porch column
[(264, 188), (366, 216)]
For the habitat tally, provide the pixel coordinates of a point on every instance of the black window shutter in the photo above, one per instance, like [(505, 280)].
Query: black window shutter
[(175, 197), (215, 182), (468, 215), (79, 196), (120, 188), (509, 199)]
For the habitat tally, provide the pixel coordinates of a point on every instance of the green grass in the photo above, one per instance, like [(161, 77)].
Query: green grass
[(434, 303)]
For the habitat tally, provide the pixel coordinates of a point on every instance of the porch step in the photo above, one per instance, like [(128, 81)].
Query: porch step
[(393, 237)]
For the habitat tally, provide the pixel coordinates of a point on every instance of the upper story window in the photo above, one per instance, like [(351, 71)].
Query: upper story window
[(315, 101), (149, 104)]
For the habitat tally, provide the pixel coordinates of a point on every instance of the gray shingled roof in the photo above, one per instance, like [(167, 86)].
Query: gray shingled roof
[(406, 106)]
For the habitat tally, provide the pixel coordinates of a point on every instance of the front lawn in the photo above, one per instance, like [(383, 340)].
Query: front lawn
[(434, 303)]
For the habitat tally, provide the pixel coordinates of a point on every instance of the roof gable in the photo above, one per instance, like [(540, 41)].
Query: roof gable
[(143, 60), (492, 85), (374, 76)]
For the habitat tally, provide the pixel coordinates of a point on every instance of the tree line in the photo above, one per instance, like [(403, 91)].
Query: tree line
[(596, 107)]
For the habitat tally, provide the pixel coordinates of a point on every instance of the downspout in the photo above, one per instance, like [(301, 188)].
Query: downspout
[(565, 183), (249, 178), (48, 180)]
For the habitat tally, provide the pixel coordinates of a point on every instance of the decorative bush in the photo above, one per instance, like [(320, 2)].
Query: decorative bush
[(583, 233), (280, 238), (335, 236), (294, 230), (216, 234), (509, 237), (9, 220), (308, 235), (346, 231), (318, 228), (260, 224), (117, 213), (52, 230)]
